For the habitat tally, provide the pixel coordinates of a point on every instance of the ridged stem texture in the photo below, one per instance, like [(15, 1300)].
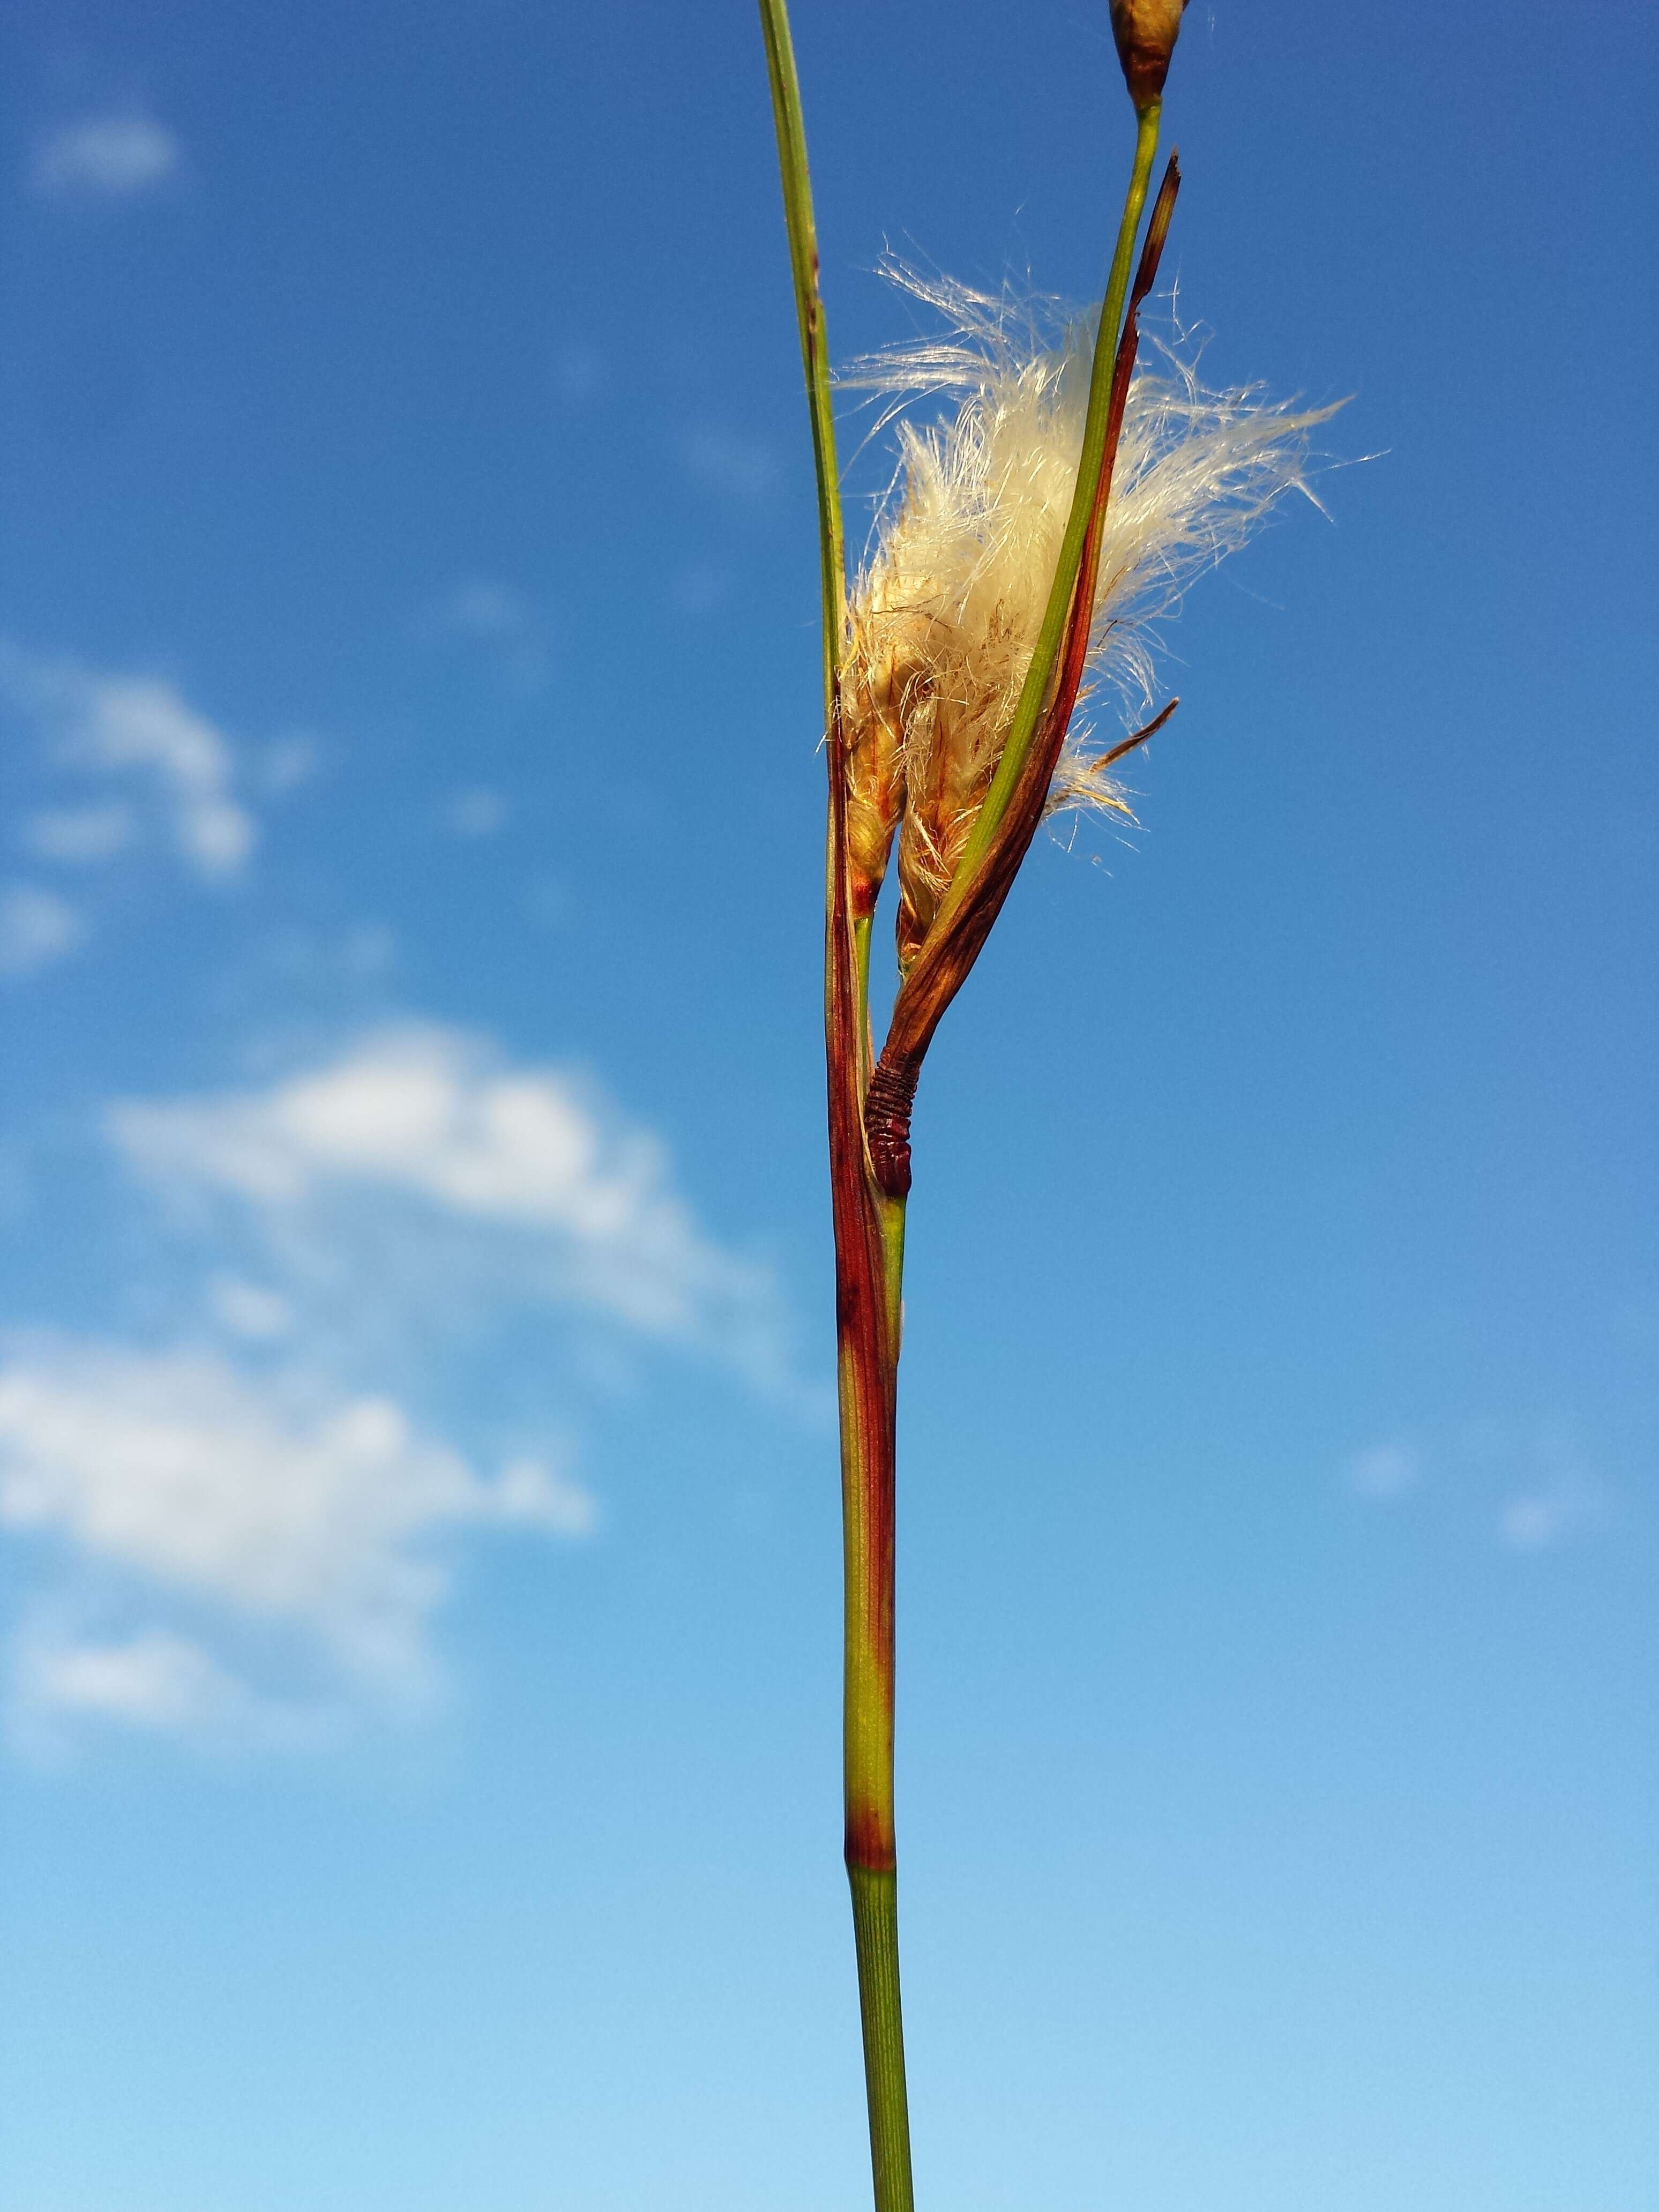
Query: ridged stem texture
[(869, 1236)]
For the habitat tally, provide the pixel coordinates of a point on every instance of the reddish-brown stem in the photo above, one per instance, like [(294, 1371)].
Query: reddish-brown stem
[(867, 1359), (869, 1244)]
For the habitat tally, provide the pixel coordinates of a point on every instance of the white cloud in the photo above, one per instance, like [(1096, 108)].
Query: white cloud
[(496, 617), (1531, 1524), (81, 834), (1569, 1503), (135, 722), (184, 1488), (484, 609), (109, 157), (1384, 1470), (478, 812), (154, 1680), (140, 726), (287, 764), (250, 1310), (1554, 1496), (426, 1125), (36, 927), (237, 1538)]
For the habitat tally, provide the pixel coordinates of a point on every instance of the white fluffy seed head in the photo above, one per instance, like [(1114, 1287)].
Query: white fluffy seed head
[(945, 613)]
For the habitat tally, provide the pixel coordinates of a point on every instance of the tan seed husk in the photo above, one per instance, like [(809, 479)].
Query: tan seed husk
[(1146, 32)]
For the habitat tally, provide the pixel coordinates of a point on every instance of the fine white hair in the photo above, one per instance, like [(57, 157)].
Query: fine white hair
[(963, 551)]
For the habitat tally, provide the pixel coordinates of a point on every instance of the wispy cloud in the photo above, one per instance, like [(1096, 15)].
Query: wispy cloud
[(1558, 1498), (138, 727), (1540, 1489), (118, 156), (36, 928), (485, 608), (423, 1136), (1383, 1470), (154, 1680), (284, 765), (81, 834), (252, 1312), (243, 1530), (478, 811), (505, 623), (303, 1528)]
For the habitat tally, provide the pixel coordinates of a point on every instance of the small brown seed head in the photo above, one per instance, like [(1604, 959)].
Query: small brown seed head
[(953, 738), (873, 694), (1145, 31)]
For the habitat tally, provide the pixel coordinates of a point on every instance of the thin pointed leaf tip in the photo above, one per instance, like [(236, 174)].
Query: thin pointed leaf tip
[(1146, 32), (944, 615)]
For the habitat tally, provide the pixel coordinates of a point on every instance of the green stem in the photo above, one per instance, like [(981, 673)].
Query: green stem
[(809, 313), (861, 969), (869, 1379), (871, 1273), (1039, 677), (875, 1927), (869, 1234)]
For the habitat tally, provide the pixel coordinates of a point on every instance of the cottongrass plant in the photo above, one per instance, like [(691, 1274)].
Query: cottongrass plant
[(944, 613), (1031, 535)]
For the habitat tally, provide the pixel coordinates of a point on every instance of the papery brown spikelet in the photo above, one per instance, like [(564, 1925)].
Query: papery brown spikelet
[(953, 739), (878, 678)]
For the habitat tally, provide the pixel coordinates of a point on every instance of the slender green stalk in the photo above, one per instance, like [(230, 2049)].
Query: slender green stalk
[(814, 341), (869, 1258), (875, 1924), (1039, 677), (869, 1234), (869, 1386)]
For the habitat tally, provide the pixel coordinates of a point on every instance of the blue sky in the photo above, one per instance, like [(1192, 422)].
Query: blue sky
[(417, 1511)]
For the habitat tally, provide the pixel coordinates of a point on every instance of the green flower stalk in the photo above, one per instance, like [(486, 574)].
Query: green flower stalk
[(1031, 536)]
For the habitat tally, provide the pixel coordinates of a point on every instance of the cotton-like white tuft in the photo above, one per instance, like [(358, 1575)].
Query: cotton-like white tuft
[(945, 613)]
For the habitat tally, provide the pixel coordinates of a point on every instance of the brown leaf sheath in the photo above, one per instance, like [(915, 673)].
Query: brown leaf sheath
[(957, 938)]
